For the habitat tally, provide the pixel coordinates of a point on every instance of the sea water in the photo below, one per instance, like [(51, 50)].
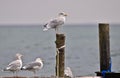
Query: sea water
[(81, 51)]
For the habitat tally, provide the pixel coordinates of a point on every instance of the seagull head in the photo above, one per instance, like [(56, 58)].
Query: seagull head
[(39, 60), (18, 55), (63, 14), (68, 68)]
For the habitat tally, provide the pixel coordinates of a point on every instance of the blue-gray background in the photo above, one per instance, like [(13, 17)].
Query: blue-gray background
[(81, 52)]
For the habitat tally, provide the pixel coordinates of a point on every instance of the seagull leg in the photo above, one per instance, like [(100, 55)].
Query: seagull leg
[(34, 73), (16, 74), (13, 73), (57, 30)]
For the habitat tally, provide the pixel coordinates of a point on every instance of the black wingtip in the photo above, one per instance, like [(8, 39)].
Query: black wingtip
[(45, 25)]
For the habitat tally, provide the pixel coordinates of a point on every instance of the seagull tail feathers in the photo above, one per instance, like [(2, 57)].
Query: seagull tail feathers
[(45, 29), (5, 69), (23, 68)]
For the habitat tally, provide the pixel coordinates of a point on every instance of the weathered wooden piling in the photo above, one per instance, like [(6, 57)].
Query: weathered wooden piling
[(60, 56), (104, 46), (104, 49)]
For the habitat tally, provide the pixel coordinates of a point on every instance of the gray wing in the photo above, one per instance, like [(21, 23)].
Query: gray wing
[(14, 65), (32, 66), (55, 22)]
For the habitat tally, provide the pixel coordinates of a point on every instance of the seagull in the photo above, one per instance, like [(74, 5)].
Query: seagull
[(56, 22), (34, 66), (16, 65), (68, 72)]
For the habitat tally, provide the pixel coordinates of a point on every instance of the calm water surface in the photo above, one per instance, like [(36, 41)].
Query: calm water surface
[(82, 50)]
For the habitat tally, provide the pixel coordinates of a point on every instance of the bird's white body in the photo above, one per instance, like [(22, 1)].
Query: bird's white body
[(68, 72), (56, 22), (33, 66), (16, 65)]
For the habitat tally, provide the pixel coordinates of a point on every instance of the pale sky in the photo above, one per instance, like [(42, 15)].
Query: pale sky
[(40, 11)]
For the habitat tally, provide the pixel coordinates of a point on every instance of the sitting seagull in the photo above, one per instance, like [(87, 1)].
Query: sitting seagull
[(56, 22), (68, 72), (34, 66), (15, 65)]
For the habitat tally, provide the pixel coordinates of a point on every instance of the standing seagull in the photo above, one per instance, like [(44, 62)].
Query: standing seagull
[(56, 22), (15, 65), (33, 66)]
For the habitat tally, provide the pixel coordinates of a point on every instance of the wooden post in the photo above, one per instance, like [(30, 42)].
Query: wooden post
[(60, 49), (104, 46)]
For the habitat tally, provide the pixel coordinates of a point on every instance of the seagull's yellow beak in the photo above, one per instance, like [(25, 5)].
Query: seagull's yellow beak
[(65, 14)]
